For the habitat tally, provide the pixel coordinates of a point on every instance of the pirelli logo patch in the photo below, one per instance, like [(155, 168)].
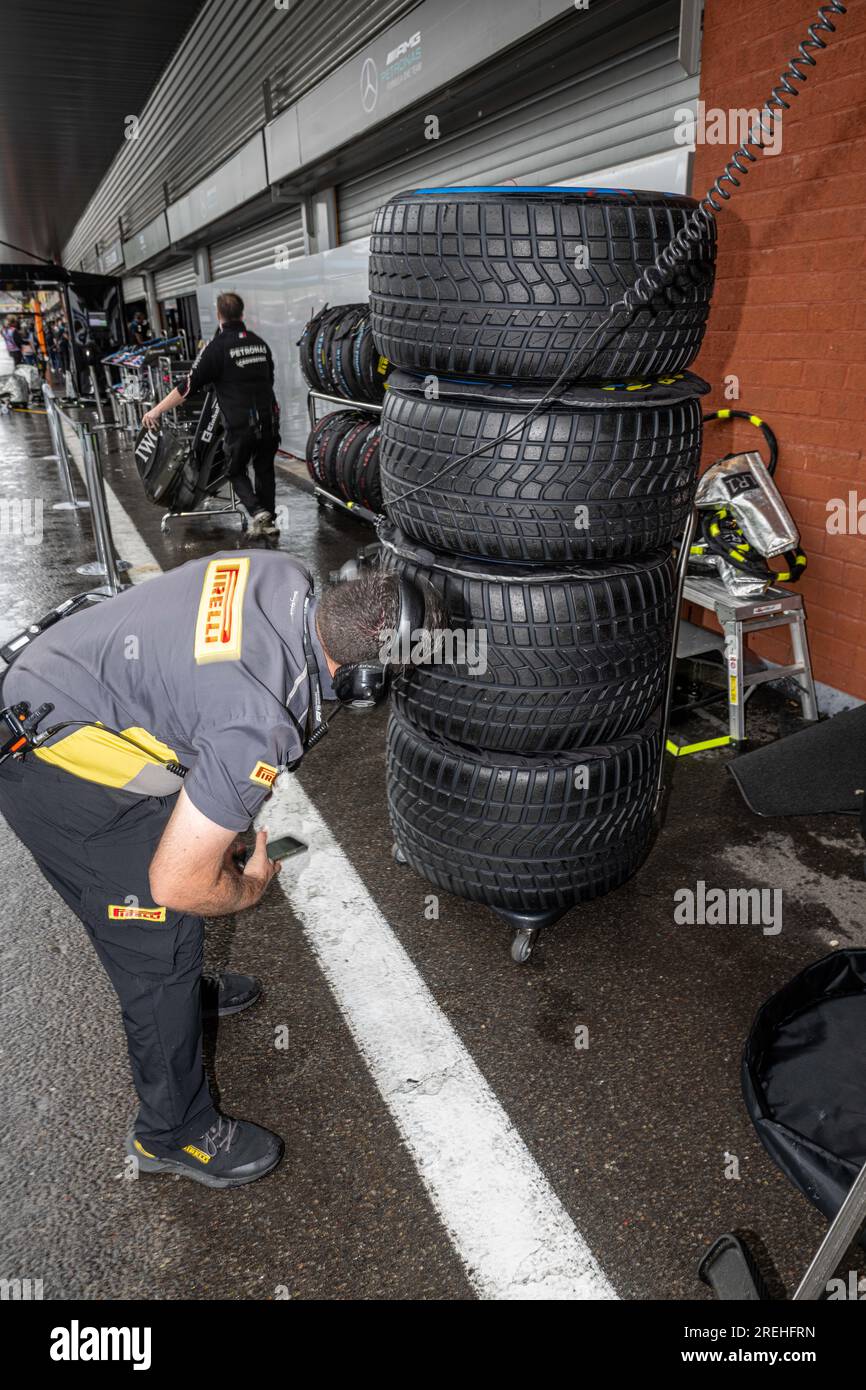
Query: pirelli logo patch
[(116, 913), (264, 773), (218, 628), (196, 1153)]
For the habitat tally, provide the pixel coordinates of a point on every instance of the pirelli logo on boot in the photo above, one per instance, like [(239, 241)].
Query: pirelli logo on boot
[(264, 773), (197, 1153), (218, 628), (117, 913)]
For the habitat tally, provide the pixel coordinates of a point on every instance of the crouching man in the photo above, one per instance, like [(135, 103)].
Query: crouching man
[(175, 706)]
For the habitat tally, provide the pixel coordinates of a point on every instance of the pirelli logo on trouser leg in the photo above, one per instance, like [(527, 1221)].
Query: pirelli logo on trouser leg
[(264, 773), (116, 913), (218, 628)]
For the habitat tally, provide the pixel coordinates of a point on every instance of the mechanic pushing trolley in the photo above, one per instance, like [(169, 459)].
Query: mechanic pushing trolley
[(141, 737), (239, 365)]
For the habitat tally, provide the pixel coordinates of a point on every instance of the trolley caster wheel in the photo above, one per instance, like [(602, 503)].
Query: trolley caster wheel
[(244, 524), (522, 943), (398, 856), (165, 527)]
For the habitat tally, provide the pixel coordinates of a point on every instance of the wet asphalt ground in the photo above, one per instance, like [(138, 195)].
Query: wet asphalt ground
[(634, 1134)]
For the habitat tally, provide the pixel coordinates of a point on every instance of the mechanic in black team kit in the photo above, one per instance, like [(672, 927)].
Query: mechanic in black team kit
[(239, 365)]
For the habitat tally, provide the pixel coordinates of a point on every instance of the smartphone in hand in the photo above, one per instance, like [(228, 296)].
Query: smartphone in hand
[(284, 847)]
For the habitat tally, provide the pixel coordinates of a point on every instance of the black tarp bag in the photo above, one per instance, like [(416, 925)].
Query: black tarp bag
[(178, 471), (804, 1077)]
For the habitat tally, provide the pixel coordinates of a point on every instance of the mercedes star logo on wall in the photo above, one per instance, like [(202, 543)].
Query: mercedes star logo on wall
[(369, 85)]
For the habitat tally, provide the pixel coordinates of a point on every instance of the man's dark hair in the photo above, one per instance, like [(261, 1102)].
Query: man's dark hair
[(230, 306), (357, 617)]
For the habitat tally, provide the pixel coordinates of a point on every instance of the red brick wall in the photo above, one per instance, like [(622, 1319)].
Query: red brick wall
[(789, 310)]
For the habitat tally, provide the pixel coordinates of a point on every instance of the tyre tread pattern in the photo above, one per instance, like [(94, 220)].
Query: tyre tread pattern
[(570, 660), (573, 485), (522, 834), (489, 284)]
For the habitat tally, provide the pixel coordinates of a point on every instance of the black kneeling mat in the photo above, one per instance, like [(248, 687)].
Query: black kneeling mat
[(817, 770)]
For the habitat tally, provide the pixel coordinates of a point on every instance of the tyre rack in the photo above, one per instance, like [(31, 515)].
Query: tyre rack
[(322, 495), (232, 508), (166, 371), (128, 391)]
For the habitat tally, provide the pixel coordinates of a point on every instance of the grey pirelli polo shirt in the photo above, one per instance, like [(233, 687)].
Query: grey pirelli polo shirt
[(208, 660)]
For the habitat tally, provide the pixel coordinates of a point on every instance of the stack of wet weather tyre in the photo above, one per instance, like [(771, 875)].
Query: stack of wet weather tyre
[(343, 457), (338, 356), (523, 763), (339, 359)]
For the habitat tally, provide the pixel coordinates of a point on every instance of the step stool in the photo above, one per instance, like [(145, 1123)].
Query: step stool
[(738, 617)]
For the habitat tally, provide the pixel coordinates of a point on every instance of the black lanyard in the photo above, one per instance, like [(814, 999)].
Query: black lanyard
[(316, 722)]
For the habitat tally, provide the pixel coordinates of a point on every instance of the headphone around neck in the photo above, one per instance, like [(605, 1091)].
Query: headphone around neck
[(361, 685)]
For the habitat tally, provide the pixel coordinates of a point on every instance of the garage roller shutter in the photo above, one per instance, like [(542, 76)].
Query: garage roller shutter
[(210, 98), (257, 246), (175, 280), (619, 110), (133, 287)]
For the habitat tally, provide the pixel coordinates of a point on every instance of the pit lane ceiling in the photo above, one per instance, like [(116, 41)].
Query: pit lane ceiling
[(72, 70), (239, 62)]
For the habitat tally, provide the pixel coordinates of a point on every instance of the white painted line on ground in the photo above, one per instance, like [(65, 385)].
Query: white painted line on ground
[(506, 1223), (509, 1228)]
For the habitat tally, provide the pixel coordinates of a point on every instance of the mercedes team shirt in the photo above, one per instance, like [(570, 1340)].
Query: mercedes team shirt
[(238, 363)]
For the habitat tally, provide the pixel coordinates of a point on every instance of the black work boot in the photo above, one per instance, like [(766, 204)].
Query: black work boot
[(229, 1154), (227, 993)]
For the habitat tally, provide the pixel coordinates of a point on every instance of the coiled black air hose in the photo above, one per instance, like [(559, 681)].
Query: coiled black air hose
[(643, 289)]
